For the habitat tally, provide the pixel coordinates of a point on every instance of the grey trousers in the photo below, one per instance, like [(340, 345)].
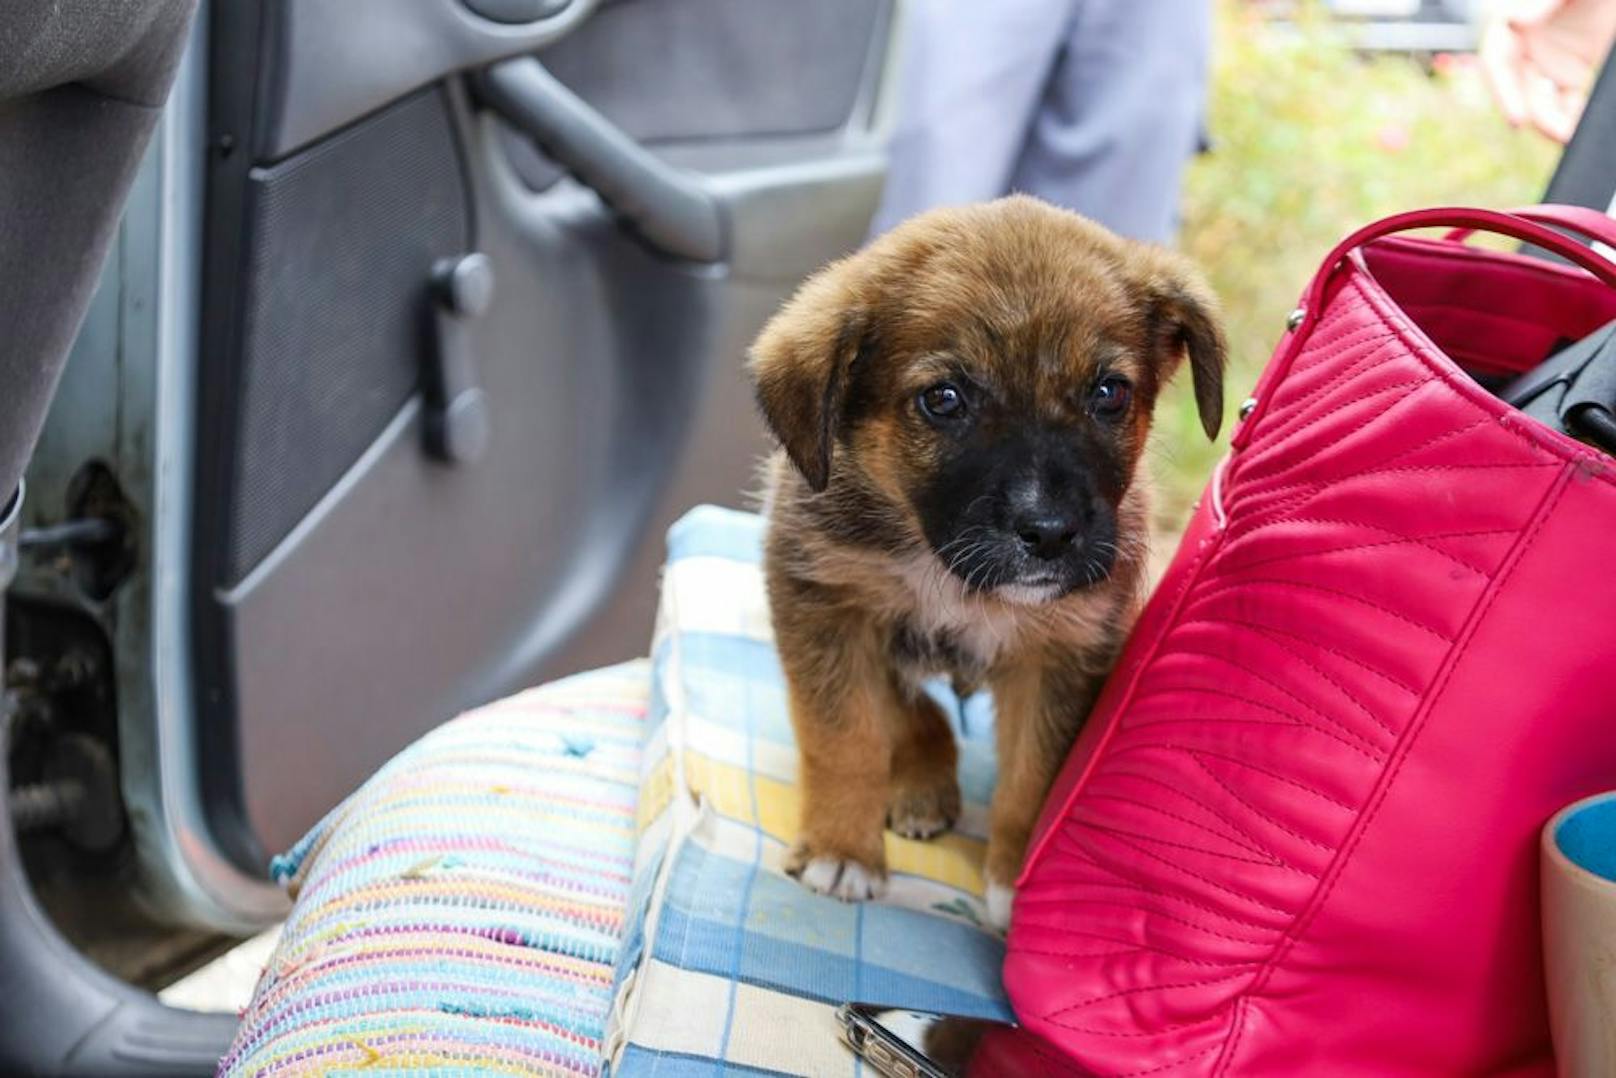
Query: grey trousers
[(1096, 105)]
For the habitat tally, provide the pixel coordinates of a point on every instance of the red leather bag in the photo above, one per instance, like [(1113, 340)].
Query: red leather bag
[(1298, 835)]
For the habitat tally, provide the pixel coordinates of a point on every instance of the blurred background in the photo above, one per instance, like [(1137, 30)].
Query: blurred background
[(1322, 118)]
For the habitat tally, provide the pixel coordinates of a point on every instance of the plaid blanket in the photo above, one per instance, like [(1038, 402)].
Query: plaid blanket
[(726, 959)]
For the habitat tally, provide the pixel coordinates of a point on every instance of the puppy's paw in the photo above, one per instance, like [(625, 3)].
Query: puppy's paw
[(924, 811), (1000, 897), (845, 878)]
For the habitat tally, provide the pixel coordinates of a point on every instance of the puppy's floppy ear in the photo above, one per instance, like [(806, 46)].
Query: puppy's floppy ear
[(800, 366), (1184, 319)]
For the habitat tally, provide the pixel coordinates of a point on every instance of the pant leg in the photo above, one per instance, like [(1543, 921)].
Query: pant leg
[(971, 76), (1123, 114)]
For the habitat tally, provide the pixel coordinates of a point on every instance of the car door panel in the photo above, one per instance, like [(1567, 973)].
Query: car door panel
[(349, 590)]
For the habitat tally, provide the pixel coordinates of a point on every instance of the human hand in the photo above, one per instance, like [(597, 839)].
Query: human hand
[(1539, 58)]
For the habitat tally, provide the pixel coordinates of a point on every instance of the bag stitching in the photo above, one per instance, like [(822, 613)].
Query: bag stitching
[(1367, 747), (1134, 946), (1561, 450), (1453, 432), (1239, 720), (1231, 720), (1464, 533), (1023, 904), (1378, 793), (1264, 815), (1195, 757), (1240, 838), (1272, 631), (1414, 540), (1051, 1016), (1279, 860), (1285, 437), (1076, 849), (1265, 862), (1342, 689), (1322, 348), (1248, 765), (1226, 586), (1244, 896), (1318, 486)]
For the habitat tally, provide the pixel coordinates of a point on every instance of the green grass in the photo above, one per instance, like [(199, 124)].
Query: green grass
[(1311, 140)]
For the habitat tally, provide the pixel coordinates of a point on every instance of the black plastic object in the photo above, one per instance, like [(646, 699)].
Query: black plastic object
[(517, 11), (1586, 174), (456, 407), (668, 207), (10, 528), (63, 1015), (1574, 390)]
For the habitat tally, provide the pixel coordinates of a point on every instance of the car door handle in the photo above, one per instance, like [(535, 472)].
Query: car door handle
[(457, 425), (667, 206)]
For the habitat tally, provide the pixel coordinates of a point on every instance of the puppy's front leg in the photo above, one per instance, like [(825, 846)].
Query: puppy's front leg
[(1038, 710), (840, 700), (925, 766)]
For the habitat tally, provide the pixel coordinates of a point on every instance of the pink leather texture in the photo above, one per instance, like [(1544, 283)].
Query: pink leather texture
[(1298, 835)]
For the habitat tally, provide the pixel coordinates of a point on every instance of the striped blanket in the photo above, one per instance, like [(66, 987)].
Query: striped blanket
[(462, 913)]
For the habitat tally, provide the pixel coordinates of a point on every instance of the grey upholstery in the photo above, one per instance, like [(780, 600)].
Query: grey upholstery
[(721, 68), (81, 86)]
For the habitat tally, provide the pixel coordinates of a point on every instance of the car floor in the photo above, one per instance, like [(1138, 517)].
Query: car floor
[(226, 983)]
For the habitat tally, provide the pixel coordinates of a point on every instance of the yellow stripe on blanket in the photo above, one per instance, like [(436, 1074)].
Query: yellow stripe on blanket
[(951, 859)]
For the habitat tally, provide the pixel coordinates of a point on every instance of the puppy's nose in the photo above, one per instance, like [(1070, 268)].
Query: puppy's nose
[(1046, 535)]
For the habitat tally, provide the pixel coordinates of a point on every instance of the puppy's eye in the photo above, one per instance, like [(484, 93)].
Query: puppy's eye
[(1110, 397), (942, 401)]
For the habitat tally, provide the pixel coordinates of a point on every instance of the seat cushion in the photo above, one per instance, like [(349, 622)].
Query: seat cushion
[(464, 909), (586, 877)]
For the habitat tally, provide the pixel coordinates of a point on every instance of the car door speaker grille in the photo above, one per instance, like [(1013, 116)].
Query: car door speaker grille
[(340, 244)]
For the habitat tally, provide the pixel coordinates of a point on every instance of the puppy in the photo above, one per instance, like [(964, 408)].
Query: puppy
[(961, 409)]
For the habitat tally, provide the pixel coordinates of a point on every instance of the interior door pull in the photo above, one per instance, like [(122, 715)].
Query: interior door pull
[(669, 207)]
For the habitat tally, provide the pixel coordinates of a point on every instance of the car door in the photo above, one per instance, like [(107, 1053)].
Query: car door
[(476, 280)]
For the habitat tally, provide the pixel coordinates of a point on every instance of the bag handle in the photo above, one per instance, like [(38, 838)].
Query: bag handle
[(1594, 224), (1527, 225), (1516, 226)]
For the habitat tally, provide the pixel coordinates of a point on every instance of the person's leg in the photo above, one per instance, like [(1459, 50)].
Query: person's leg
[(1123, 114), (970, 78)]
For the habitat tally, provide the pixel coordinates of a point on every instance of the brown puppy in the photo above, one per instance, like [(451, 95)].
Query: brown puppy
[(961, 408)]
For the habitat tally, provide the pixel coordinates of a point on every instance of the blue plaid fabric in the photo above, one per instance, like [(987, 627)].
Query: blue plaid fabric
[(730, 966)]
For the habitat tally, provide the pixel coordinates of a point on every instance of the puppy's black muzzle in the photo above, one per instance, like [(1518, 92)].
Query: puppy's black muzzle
[(1027, 511)]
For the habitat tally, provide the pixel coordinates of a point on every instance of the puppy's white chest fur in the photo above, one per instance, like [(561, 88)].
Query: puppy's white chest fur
[(970, 631), (943, 627)]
